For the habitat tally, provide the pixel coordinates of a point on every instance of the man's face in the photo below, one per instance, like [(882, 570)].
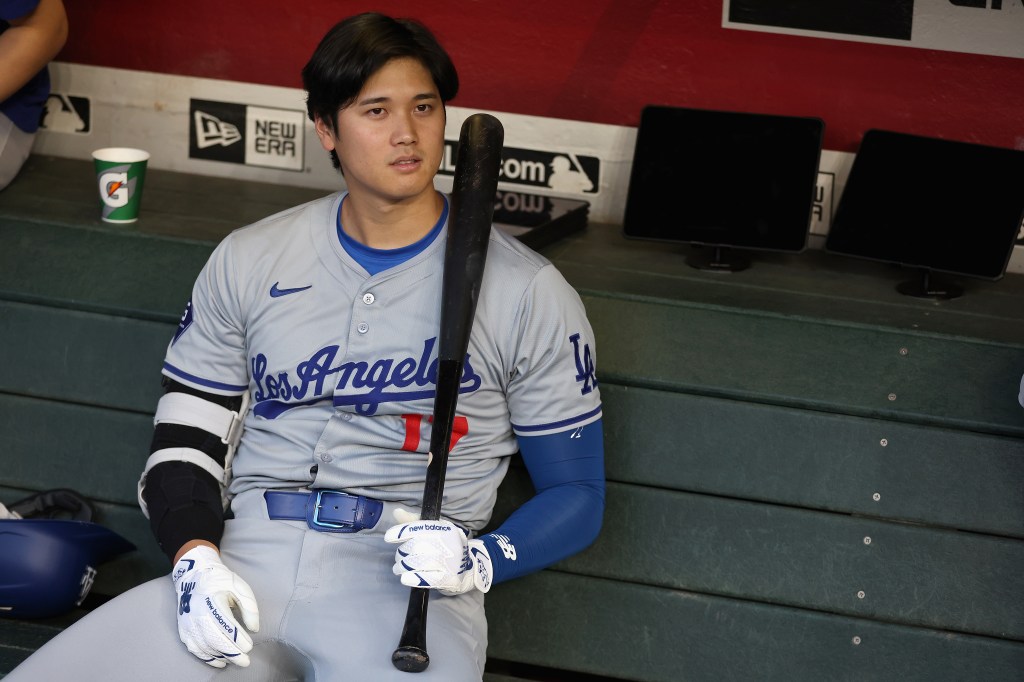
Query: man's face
[(390, 139)]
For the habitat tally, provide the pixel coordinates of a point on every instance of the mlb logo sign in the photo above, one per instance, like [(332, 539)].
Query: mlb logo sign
[(66, 114), (244, 134), (563, 172)]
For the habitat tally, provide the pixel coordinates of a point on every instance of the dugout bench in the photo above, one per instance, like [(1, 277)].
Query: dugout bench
[(810, 476)]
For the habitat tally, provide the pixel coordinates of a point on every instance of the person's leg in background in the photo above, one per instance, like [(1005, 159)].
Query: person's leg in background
[(15, 145)]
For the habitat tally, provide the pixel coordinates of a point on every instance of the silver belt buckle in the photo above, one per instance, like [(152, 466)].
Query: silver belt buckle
[(316, 511)]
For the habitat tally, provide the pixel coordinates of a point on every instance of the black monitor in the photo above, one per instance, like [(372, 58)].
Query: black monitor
[(723, 180), (938, 206)]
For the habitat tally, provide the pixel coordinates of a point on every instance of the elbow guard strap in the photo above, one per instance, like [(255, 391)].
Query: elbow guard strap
[(196, 457), (193, 411)]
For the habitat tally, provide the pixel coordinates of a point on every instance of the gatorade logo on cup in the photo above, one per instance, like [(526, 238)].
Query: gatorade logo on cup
[(120, 173), (114, 188)]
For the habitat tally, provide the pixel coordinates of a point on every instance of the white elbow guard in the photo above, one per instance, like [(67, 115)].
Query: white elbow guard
[(190, 410)]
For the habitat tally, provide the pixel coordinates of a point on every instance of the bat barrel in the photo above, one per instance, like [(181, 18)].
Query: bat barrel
[(477, 165)]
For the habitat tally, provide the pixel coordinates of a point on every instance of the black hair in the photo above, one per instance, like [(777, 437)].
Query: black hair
[(355, 49)]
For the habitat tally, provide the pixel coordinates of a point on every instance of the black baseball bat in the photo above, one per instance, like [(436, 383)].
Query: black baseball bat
[(477, 163)]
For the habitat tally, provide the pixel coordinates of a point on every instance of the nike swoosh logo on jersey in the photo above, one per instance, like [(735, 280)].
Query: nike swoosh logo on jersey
[(275, 292)]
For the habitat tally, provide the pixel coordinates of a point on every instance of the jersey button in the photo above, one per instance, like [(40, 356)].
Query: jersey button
[(325, 457), (368, 298), (362, 328)]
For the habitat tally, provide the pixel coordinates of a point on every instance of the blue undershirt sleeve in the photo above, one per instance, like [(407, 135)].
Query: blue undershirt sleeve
[(565, 514)]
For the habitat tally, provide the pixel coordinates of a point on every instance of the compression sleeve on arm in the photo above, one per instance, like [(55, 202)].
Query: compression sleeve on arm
[(184, 500), (564, 517)]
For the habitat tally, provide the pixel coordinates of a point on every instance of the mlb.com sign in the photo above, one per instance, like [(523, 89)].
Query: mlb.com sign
[(246, 134), (563, 172)]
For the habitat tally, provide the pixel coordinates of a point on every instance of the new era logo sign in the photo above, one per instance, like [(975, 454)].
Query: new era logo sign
[(215, 131), (246, 134), (210, 130)]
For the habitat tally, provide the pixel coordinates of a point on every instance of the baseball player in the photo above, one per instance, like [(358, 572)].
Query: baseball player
[(324, 319)]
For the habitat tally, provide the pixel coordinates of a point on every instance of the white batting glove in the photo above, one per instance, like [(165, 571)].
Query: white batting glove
[(207, 589), (439, 555)]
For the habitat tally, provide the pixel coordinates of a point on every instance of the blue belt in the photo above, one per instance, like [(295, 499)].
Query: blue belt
[(329, 511)]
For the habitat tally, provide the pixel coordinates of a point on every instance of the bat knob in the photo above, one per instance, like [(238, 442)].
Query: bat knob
[(410, 659)]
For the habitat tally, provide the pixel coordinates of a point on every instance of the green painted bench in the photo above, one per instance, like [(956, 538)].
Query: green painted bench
[(810, 476)]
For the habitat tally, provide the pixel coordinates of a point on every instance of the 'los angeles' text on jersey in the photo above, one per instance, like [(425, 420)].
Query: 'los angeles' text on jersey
[(360, 384)]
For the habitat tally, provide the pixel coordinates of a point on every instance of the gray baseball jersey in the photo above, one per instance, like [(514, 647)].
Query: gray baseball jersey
[(341, 365)]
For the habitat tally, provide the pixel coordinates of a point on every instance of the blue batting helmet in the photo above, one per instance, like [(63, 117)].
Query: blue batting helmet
[(47, 565)]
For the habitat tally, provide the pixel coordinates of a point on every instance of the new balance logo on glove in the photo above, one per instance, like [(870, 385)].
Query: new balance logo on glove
[(185, 605)]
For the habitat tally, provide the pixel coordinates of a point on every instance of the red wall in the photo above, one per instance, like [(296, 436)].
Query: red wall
[(588, 60)]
